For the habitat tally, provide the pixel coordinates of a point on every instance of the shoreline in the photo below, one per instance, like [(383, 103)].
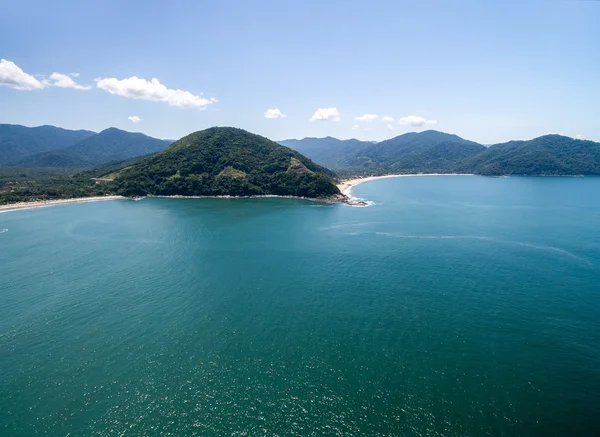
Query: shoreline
[(336, 198), (44, 203), (346, 186)]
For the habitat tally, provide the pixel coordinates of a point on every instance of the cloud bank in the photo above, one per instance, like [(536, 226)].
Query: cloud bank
[(326, 114), (13, 77), (367, 118), (274, 114), (416, 121), (64, 81), (138, 88)]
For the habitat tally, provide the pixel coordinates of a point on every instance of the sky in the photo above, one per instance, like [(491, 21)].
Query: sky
[(486, 71)]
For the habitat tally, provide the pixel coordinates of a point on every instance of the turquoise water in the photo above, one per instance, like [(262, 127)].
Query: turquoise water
[(454, 306)]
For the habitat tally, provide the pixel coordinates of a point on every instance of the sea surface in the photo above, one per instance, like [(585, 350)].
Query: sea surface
[(453, 306)]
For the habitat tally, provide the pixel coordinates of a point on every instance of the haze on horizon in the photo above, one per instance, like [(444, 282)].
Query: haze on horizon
[(487, 72)]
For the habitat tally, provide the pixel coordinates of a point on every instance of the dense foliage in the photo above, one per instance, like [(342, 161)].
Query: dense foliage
[(429, 151), (328, 152), (226, 161), (229, 161), (109, 145), (24, 185), (437, 152), (547, 155), (17, 142)]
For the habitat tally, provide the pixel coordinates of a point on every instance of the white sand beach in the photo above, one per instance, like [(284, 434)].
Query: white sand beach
[(346, 186), (44, 203)]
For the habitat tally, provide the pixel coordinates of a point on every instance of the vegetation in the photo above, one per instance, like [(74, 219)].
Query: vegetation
[(437, 152), (429, 151), (226, 161), (17, 142), (328, 152), (25, 185), (547, 155), (229, 161), (109, 145)]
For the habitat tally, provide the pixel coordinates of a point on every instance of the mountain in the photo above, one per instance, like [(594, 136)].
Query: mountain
[(109, 145), (546, 155), (329, 152), (17, 142), (428, 151), (226, 161)]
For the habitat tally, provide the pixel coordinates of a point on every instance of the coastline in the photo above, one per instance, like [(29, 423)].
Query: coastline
[(346, 186), (336, 198), (43, 203)]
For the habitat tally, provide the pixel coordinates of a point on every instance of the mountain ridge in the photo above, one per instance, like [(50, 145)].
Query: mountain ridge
[(86, 148), (17, 141)]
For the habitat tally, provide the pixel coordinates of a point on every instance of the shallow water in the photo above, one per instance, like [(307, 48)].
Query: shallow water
[(452, 306)]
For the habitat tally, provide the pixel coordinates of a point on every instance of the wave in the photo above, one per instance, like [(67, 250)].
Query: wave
[(2, 231), (435, 237), (347, 225), (542, 247)]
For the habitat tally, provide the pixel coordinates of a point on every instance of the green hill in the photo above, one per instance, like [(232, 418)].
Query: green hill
[(109, 145), (18, 142), (428, 151), (329, 152), (547, 155), (226, 161)]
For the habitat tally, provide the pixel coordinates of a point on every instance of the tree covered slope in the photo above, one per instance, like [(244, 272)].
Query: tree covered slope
[(18, 142), (428, 151), (328, 152), (546, 155), (226, 161), (109, 145)]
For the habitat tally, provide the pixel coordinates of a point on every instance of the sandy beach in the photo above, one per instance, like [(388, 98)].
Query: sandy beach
[(346, 186), (44, 203)]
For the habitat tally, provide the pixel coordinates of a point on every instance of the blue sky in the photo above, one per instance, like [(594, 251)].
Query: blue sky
[(487, 71)]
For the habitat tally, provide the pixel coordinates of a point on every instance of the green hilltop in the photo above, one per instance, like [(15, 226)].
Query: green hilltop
[(225, 161)]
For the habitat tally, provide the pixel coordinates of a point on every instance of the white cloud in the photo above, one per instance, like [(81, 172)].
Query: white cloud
[(64, 81), (134, 119), (367, 118), (416, 121), (326, 114), (274, 113), (579, 137), (74, 74), (387, 119), (355, 127), (390, 127), (138, 88), (13, 77)]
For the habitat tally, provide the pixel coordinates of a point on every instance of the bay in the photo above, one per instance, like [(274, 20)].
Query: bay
[(452, 306)]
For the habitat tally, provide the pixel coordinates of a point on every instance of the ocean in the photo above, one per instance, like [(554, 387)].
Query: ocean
[(452, 306)]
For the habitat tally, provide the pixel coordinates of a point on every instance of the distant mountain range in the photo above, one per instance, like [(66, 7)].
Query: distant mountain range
[(437, 152), (18, 142), (52, 147)]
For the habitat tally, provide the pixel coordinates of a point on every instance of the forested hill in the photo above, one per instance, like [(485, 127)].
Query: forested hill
[(329, 152), (226, 161), (17, 142), (109, 145), (428, 151), (437, 152), (547, 155)]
